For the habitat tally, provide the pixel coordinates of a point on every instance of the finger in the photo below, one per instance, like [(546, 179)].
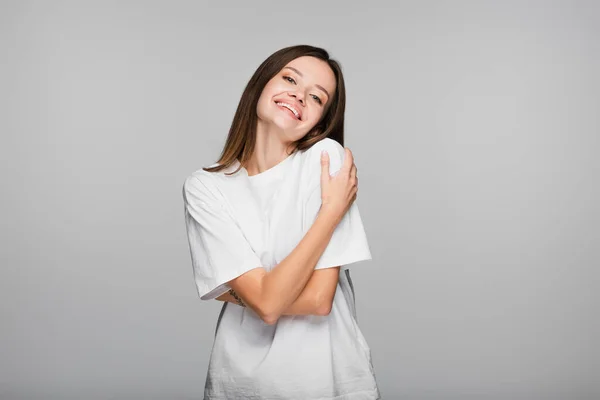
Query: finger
[(353, 170), (324, 166), (348, 158)]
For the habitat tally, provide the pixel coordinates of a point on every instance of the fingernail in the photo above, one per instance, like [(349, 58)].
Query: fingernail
[(322, 153)]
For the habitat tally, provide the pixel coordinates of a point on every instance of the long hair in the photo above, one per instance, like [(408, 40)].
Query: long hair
[(242, 134)]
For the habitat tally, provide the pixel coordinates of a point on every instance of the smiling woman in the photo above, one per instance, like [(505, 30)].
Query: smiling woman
[(300, 90), (270, 233)]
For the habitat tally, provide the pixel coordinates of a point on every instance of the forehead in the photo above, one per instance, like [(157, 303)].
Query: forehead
[(314, 70)]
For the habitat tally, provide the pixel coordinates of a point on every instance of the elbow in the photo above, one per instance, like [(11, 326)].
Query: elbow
[(323, 310), (269, 320), (260, 301), (323, 307), (268, 317), (266, 311)]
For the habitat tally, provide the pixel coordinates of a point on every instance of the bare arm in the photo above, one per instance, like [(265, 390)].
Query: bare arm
[(316, 297), (270, 294)]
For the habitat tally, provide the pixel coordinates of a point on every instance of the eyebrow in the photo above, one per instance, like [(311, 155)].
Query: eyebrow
[(300, 73)]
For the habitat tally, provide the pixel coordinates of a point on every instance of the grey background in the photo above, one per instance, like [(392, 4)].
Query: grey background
[(475, 127)]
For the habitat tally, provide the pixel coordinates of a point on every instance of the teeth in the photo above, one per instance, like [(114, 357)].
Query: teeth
[(289, 107)]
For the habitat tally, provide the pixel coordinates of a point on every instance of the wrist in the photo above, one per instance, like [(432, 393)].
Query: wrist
[(329, 214)]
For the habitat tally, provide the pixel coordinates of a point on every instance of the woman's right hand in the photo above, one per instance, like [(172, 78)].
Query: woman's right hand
[(338, 192)]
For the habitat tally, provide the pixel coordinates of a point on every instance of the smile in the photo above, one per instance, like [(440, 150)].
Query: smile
[(289, 107)]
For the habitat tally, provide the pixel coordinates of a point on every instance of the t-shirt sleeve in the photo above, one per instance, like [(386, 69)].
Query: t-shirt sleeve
[(348, 243), (218, 248)]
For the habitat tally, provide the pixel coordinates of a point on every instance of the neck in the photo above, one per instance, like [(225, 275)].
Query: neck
[(269, 149)]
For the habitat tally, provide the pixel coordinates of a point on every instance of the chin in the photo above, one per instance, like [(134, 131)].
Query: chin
[(284, 123)]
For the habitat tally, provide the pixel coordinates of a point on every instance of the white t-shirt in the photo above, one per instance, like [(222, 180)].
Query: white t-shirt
[(237, 223)]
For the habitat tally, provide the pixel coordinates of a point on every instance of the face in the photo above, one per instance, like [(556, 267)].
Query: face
[(295, 99)]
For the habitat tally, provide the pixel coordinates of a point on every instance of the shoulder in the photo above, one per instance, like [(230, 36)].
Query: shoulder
[(200, 185), (336, 155), (328, 144), (311, 165)]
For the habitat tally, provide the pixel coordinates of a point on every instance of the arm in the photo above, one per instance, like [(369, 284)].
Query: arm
[(316, 297), (271, 293)]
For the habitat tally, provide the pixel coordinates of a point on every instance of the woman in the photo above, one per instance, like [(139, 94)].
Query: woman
[(271, 234)]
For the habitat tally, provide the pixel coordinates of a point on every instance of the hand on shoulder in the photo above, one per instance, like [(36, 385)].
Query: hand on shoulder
[(338, 181)]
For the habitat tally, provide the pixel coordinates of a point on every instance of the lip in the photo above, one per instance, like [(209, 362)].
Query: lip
[(292, 103)]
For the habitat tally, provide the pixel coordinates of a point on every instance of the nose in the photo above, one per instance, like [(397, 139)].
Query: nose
[(298, 96)]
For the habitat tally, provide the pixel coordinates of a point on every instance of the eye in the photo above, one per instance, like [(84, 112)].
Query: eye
[(291, 80)]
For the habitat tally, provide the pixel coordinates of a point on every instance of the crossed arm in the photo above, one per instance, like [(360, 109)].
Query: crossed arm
[(294, 287), (315, 299)]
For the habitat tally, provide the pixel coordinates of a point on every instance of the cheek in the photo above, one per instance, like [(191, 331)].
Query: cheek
[(309, 125), (315, 116), (267, 95), (272, 88), (261, 107), (265, 98)]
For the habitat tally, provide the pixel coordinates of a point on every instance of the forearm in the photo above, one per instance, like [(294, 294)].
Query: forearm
[(284, 283), (305, 304)]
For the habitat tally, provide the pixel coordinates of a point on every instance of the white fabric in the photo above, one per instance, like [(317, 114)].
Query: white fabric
[(236, 223)]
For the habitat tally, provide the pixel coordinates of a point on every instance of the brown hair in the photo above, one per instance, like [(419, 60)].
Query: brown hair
[(242, 134)]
